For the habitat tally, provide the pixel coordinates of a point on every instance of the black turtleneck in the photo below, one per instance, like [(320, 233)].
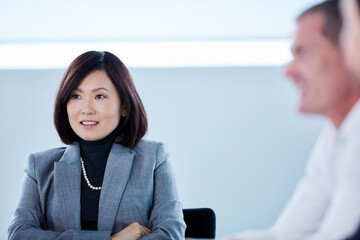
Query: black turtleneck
[(94, 155)]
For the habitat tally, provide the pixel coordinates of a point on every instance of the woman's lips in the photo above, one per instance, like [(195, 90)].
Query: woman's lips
[(89, 124)]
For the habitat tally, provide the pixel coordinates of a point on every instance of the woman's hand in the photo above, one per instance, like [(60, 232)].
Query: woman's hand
[(132, 232)]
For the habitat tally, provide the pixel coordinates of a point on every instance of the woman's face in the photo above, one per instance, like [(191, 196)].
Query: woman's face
[(94, 108), (350, 35)]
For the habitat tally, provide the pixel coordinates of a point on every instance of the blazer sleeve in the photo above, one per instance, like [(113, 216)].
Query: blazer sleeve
[(28, 219), (166, 220)]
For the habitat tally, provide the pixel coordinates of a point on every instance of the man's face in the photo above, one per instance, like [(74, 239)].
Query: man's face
[(318, 68)]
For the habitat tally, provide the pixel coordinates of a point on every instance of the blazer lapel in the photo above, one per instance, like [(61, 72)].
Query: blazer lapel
[(67, 181), (116, 176)]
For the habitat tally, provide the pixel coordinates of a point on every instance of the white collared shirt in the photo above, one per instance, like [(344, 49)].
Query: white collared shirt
[(326, 202)]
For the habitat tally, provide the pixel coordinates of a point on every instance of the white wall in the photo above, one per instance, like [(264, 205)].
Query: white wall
[(139, 20), (236, 141)]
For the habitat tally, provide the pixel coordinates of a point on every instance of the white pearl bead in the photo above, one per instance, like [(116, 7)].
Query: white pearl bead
[(86, 178)]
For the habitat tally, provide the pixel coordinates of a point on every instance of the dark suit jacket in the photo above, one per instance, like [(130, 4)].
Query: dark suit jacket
[(138, 186)]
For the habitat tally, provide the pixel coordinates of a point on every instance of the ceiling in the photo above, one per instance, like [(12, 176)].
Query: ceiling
[(147, 20)]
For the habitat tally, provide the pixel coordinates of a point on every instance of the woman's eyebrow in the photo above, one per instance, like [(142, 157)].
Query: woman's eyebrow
[(100, 88), (94, 90), (78, 90)]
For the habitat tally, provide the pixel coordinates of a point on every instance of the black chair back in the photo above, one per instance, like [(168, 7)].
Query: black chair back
[(201, 223)]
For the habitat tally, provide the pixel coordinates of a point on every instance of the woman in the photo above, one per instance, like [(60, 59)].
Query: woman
[(108, 183)]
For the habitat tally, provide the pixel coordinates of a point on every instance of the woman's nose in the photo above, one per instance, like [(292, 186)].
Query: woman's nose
[(88, 107)]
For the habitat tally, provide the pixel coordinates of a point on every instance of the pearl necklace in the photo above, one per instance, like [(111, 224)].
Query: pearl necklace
[(86, 177)]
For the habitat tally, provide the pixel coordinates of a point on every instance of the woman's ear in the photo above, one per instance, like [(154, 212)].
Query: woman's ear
[(123, 111)]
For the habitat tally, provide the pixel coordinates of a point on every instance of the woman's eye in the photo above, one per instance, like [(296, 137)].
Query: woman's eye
[(75, 96), (99, 96)]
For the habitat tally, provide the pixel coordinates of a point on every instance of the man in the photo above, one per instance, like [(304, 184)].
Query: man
[(326, 202)]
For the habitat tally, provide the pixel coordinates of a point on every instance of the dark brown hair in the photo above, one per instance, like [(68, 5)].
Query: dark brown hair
[(132, 127), (333, 21)]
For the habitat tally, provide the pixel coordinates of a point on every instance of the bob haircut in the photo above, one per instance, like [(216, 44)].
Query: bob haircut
[(132, 127)]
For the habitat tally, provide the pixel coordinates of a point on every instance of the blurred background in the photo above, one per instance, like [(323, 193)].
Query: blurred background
[(210, 74)]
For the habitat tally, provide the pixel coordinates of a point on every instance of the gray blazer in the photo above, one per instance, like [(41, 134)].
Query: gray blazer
[(138, 186)]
